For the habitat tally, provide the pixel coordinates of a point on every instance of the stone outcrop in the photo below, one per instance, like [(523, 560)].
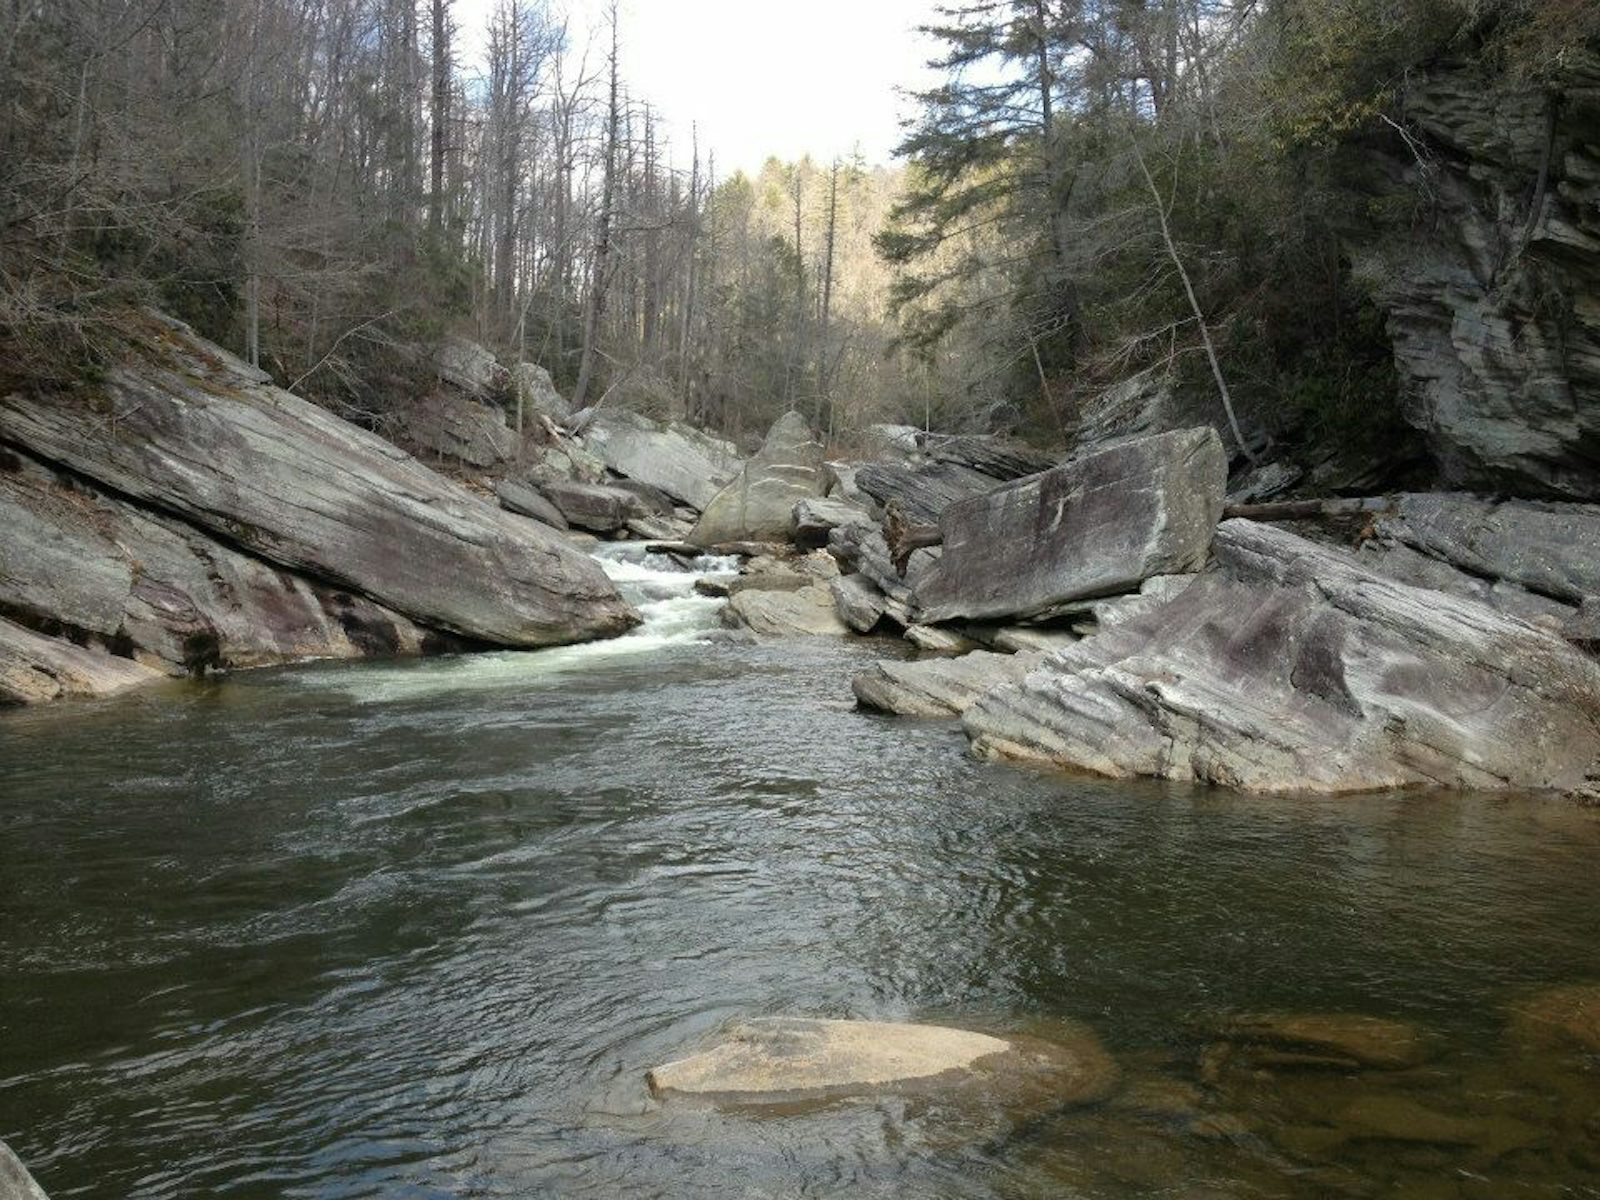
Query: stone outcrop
[(785, 1060), (938, 687), (103, 572), (35, 668), (806, 611), (1549, 549), (814, 519), (1293, 669), (532, 386), (525, 501), (15, 1181), (1097, 525), (468, 367), (690, 466), (921, 490), (190, 430), (861, 605), (1491, 308), (446, 425), (759, 504), (597, 507), (863, 550)]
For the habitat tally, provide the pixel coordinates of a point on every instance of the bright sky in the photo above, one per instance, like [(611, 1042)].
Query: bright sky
[(762, 77)]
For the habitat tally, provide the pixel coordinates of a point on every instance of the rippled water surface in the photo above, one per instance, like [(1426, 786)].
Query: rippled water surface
[(419, 930)]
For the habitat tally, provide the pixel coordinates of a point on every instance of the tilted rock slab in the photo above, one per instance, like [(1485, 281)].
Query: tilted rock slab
[(15, 1181), (784, 1060), (205, 437), (1552, 549), (35, 669), (149, 587), (939, 687), (452, 426), (1295, 670), (1098, 525), (806, 611), (759, 504), (688, 465)]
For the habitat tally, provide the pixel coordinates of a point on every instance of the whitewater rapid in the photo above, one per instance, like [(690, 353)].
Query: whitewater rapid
[(663, 591)]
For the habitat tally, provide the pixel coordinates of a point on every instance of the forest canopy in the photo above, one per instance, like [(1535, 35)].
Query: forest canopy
[(1092, 189)]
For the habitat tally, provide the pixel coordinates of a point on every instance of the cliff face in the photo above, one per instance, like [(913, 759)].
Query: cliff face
[(1494, 305)]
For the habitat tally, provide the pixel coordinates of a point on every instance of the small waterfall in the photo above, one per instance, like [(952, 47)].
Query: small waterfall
[(656, 584), (663, 592)]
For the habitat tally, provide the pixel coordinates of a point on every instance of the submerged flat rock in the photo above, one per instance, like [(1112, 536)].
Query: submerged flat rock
[(778, 1060), (1355, 1039)]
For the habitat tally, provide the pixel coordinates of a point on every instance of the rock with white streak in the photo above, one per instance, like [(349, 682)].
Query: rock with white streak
[(1293, 669), (196, 432), (1096, 526)]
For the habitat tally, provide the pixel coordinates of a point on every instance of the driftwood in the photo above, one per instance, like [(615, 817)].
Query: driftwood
[(1308, 510), (905, 538)]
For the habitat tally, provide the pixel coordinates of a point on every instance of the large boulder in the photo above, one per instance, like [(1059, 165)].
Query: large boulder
[(1293, 669), (938, 687), (526, 501), (686, 464), (759, 504), (922, 490), (788, 1060), (596, 507), (468, 367), (1095, 526), (450, 426), (988, 454), (532, 387), (1548, 548), (862, 549), (147, 586), (1490, 303), (35, 668), (814, 519), (807, 612), (15, 1181), (194, 431)]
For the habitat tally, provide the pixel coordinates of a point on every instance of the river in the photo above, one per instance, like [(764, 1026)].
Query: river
[(419, 929)]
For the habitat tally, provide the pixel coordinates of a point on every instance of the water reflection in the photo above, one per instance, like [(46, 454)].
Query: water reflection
[(353, 931)]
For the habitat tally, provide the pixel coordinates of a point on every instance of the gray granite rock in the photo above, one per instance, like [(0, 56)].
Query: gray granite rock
[(938, 687), (685, 464), (150, 587), (525, 501), (207, 438), (806, 611), (35, 668), (759, 504), (1294, 669), (1096, 526)]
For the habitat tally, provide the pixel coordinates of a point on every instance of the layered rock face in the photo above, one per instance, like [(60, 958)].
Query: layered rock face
[(109, 574), (1493, 313), (759, 504), (1095, 526), (203, 437), (1294, 669), (690, 466)]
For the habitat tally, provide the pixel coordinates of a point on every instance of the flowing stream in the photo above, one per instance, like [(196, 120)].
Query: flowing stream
[(419, 929)]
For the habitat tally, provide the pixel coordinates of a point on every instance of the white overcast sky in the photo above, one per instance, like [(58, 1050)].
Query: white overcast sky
[(760, 77)]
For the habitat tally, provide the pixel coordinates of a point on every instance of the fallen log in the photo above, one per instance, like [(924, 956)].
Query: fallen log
[(905, 538)]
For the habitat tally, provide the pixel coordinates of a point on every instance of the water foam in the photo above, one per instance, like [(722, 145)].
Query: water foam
[(663, 591)]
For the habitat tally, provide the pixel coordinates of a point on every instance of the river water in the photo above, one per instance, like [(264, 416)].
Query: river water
[(418, 930)]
